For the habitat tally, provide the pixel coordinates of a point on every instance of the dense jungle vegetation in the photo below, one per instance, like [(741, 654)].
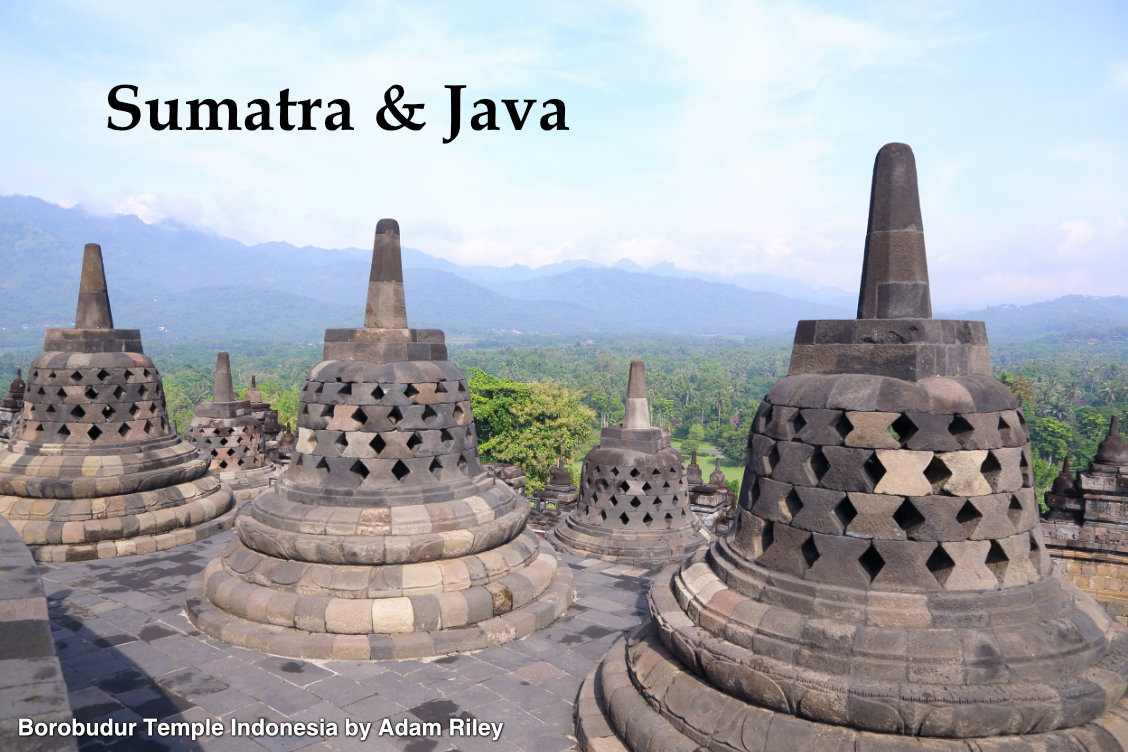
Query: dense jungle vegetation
[(705, 389)]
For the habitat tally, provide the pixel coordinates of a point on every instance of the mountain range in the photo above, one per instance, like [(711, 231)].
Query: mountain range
[(183, 283)]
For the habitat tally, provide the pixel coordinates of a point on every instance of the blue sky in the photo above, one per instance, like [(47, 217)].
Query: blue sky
[(713, 135)]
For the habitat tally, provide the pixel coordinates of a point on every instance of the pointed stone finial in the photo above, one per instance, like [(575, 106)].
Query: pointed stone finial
[(895, 270), (93, 299), (224, 390), (638, 408), (693, 458), (253, 384), (1113, 450), (385, 308)]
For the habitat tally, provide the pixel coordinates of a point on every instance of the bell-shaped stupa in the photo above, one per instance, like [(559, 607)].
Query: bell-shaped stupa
[(95, 470), (227, 433), (633, 506), (885, 585), (384, 537)]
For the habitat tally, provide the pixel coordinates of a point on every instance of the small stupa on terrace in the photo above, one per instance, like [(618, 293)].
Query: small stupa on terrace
[(633, 506), (885, 585), (95, 470), (228, 433), (384, 537)]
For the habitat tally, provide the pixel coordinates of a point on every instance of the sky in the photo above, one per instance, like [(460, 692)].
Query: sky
[(718, 136)]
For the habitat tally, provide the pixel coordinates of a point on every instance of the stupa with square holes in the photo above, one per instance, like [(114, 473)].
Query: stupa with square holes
[(633, 506), (95, 470), (885, 585), (384, 538), (228, 433)]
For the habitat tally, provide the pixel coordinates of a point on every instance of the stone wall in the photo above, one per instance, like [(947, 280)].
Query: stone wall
[(1094, 558)]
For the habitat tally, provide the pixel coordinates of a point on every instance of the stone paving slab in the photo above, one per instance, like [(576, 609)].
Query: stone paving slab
[(128, 654)]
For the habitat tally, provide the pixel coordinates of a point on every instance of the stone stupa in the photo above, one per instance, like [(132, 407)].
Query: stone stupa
[(11, 406), (267, 418), (95, 470), (227, 432), (384, 537), (885, 585), (633, 506)]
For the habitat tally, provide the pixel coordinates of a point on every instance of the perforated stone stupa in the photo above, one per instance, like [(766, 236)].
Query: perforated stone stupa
[(384, 538), (885, 586), (96, 470), (11, 406), (227, 432), (633, 506)]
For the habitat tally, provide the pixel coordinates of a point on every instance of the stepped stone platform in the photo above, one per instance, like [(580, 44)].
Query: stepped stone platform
[(227, 432), (96, 470), (633, 505), (886, 585), (384, 537)]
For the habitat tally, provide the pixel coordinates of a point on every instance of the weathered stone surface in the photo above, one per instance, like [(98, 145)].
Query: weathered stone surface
[(385, 537), (885, 584)]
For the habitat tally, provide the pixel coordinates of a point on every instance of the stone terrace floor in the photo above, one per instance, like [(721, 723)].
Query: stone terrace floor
[(128, 652)]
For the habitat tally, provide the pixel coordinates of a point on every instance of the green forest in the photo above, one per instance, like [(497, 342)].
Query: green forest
[(534, 403)]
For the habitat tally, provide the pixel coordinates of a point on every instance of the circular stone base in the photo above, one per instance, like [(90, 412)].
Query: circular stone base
[(649, 550), (247, 484), (612, 715), (296, 643), (141, 544)]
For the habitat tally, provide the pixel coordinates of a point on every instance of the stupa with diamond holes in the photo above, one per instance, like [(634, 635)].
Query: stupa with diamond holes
[(227, 432), (885, 585), (384, 537), (11, 406), (633, 506), (267, 418), (95, 470), (1086, 525)]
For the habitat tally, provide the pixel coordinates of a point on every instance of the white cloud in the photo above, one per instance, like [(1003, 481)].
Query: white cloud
[(1078, 233)]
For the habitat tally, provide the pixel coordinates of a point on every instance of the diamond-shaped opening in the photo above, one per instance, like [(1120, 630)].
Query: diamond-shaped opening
[(94, 433), (142, 390), (378, 444), (940, 564), (223, 464), (634, 472), (91, 392), (818, 463), (646, 486), (674, 497), (429, 414), (624, 486), (960, 428), (133, 410), (797, 422), (445, 438), (871, 562), (318, 387), (118, 391), (937, 474), (1014, 510), (845, 513), (614, 471), (359, 416), (1006, 432), (902, 429), (414, 440), (400, 470), (991, 469), (50, 410), (873, 469), (322, 467), (669, 519), (843, 426), (223, 442), (64, 431), (440, 388), (342, 441), (602, 516), (145, 373), (623, 518), (61, 393), (647, 519), (771, 460), (78, 412), (767, 536), (791, 504), (76, 376), (602, 484), (997, 561), (360, 470), (658, 503), (635, 502), (41, 391), (666, 484), (394, 416), (123, 430), (148, 427), (377, 393), (240, 463), (457, 414), (461, 386), (462, 462), (435, 467), (968, 517), (908, 517), (345, 389), (1035, 554), (410, 391), (810, 551), (614, 500)]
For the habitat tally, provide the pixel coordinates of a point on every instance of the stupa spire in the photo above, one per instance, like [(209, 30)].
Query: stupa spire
[(224, 390), (638, 408), (385, 308), (93, 299), (894, 271)]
